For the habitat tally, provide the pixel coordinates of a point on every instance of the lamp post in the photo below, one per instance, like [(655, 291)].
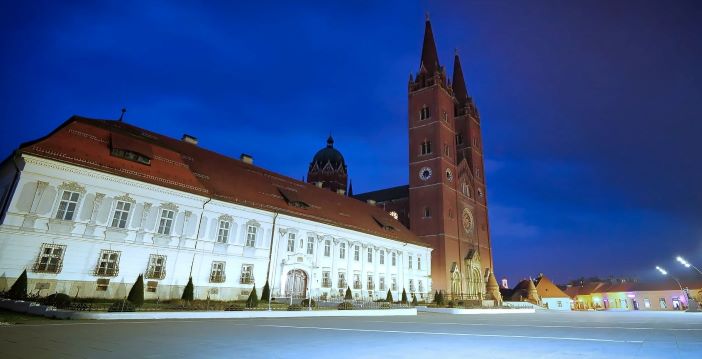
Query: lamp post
[(687, 264)]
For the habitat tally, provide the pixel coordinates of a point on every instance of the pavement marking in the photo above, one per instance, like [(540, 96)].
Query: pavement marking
[(114, 322), (539, 326), (456, 334)]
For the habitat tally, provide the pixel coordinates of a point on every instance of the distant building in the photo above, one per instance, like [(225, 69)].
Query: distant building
[(633, 295), (328, 169), (552, 297)]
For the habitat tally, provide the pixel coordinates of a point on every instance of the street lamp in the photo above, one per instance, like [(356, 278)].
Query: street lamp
[(663, 271), (687, 264)]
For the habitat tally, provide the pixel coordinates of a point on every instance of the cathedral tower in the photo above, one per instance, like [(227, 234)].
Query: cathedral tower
[(446, 187), (328, 168)]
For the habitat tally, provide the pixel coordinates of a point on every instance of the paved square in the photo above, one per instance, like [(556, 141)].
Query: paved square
[(540, 335)]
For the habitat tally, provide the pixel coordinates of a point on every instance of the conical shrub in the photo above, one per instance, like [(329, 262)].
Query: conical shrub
[(388, 298), (189, 291), (266, 292), (18, 291), (136, 294), (252, 302), (348, 295), (404, 296), (414, 300)]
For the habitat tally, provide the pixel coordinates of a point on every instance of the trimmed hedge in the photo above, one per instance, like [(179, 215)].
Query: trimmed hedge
[(234, 308), (294, 308), (58, 300), (345, 306), (305, 303), (121, 306)]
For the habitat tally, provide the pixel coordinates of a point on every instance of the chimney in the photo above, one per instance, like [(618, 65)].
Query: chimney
[(341, 191), (246, 158), (371, 202), (318, 184), (189, 139)]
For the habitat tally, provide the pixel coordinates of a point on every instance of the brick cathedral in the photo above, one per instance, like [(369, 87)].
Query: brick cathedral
[(445, 201)]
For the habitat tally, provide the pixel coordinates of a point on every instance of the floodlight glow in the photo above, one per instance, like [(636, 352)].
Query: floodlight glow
[(663, 271), (683, 261)]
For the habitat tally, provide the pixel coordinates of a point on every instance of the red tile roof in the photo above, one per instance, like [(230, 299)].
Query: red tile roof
[(547, 289), (186, 167)]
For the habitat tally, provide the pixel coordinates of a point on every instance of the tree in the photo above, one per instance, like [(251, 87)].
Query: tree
[(388, 298), (414, 300), (348, 295), (18, 290), (436, 297), (189, 291), (266, 292), (440, 298), (252, 302), (404, 296), (136, 294)]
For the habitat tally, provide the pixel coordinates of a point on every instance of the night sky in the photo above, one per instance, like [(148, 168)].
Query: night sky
[(591, 110)]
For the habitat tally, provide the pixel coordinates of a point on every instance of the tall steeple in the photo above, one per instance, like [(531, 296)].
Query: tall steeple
[(430, 58), (459, 84)]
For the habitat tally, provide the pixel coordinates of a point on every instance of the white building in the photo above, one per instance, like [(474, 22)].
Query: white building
[(95, 203)]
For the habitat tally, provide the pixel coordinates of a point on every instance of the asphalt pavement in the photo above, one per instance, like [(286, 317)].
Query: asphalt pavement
[(428, 336)]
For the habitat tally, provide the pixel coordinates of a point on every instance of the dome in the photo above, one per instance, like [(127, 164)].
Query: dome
[(329, 155)]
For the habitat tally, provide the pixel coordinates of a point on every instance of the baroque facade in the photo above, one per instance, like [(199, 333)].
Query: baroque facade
[(95, 203)]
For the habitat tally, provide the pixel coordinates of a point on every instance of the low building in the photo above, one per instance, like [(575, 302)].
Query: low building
[(95, 203), (552, 297), (633, 295)]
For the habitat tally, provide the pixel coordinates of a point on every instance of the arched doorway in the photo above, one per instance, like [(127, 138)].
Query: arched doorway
[(296, 284)]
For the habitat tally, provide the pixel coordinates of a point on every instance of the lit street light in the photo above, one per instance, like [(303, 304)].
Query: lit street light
[(663, 271), (692, 305), (687, 264)]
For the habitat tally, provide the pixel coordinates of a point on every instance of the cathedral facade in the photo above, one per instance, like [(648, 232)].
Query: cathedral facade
[(445, 202)]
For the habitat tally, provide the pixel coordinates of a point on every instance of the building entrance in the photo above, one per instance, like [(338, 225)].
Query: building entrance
[(296, 284)]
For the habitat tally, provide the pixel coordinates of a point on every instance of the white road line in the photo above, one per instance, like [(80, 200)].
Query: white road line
[(115, 322), (539, 326), (456, 334)]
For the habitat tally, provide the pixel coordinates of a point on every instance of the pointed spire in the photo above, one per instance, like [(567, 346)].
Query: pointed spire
[(430, 58), (330, 141), (350, 191), (459, 84)]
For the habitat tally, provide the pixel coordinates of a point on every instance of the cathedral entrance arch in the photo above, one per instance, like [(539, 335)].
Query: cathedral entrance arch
[(296, 284)]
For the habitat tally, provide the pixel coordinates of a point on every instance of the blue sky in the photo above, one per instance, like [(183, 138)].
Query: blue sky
[(590, 109)]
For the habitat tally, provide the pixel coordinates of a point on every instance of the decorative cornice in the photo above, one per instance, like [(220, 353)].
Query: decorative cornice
[(72, 186), (41, 185), (226, 218), (125, 198), (170, 206)]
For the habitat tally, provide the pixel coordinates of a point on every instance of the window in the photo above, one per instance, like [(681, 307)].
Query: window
[(108, 263), (342, 251), (151, 286), (342, 280), (382, 257), (459, 139), (426, 147), (647, 303), (424, 113), (326, 279), (157, 267), (370, 255), (223, 231), (421, 286), (465, 189), (102, 284), (409, 262), (217, 272), (119, 218), (356, 281), (166, 221), (369, 283), (393, 283), (560, 304), (67, 205), (291, 242), (419, 263), (662, 304), (356, 253), (327, 248), (381, 283), (251, 236), (477, 172), (310, 245), (480, 192), (394, 259), (411, 285), (247, 274), (130, 155), (446, 150), (444, 116), (50, 258), (427, 212)]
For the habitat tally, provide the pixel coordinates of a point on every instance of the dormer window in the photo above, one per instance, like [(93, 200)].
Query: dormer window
[(424, 113), (293, 199), (130, 149)]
